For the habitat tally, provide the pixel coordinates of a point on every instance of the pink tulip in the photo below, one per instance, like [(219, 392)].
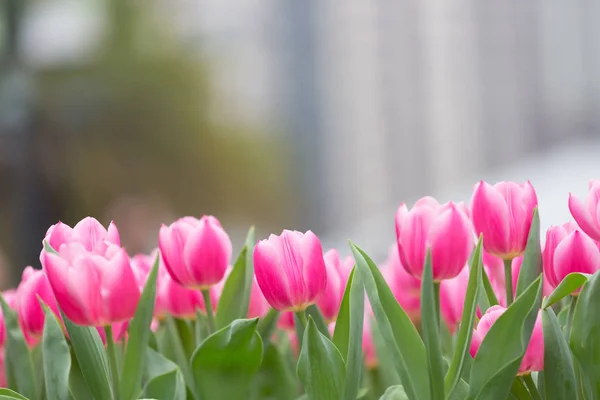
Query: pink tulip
[(34, 283), (588, 215), (565, 253), (445, 229), (503, 214), (195, 252), (92, 287), (119, 331), (452, 298), (330, 300), (182, 302), (516, 270), (10, 296), (405, 287), (290, 270), (533, 360), (88, 232), (3, 382)]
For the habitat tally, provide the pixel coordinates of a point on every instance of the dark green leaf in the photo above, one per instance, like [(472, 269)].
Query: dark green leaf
[(91, 358), (78, 388), (394, 393), (320, 366), (430, 324), (465, 332), (172, 343), (163, 378), (572, 282), (560, 380), (10, 394), (403, 343), (139, 336), (56, 357), (348, 333), (18, 356), (226, 362), (233, 303), (314, 312), (585, 332), (531, 267), (519, 390), (499, 356), (275, 380)]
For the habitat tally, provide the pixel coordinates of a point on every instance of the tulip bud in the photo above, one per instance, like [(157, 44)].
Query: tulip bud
[(533, 360), (195, 252), (503, 214), (330, 300), (34, 283), (588, 215), (566, 252), (88, 232), (445, 229), (405, 287), (92, 287), (290, 270)]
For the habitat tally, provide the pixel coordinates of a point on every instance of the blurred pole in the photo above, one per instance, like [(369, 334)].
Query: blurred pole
[(33, 208)]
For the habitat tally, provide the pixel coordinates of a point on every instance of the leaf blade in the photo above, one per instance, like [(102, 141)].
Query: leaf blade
[(56, 357)]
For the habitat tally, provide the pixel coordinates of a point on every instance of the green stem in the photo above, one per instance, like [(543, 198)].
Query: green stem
[(209, 311), (570, 315), (508, 281), (199, 337), (535, 394), (112, 359), (302, 318), (436, 293)]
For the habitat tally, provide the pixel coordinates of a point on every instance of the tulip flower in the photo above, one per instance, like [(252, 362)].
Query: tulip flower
[(88, 232), (446, 230), (588, 215), (405, 287), (567, 252), (196, 252), (182, 302), (290, 270), (503, 214), (10, 296), (92, 287), (330, 300), (34, 284), (533, 360)]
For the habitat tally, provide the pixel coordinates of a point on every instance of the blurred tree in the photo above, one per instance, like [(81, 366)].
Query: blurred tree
[(138, 122)]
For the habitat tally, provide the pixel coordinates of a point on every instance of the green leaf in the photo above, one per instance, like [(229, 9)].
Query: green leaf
[(275, 380), (560, 382), (499, 356), (56, 357), (430, 324), (320, 366), (488, 294), (91, 358), (163, 377), (139, 336), (585, 332), (532, 260), (18, 356), (519, 390), (10, 394), (572, 282), (172, 343), (348, 333), (460, 391), (465, 332), (233, 303), (314, 312), (226, 362), (394, 393), (404, 345), (78, 388)]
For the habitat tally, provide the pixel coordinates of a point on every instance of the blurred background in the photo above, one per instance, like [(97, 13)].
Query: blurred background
[(286, 114)]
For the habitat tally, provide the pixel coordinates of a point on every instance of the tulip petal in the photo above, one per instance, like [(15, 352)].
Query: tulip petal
[(413, 239), (112, 235), (490, 215), (451, 242), (314, 270), (576, 253), (118, 287), (583, 218), (270, 275), (171, 241), (90, 232)]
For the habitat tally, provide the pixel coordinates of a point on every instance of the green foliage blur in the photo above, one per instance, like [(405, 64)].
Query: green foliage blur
[(138, 122)]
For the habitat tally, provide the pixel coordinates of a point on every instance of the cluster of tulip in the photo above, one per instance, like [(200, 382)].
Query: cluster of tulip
[(455, 312)]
